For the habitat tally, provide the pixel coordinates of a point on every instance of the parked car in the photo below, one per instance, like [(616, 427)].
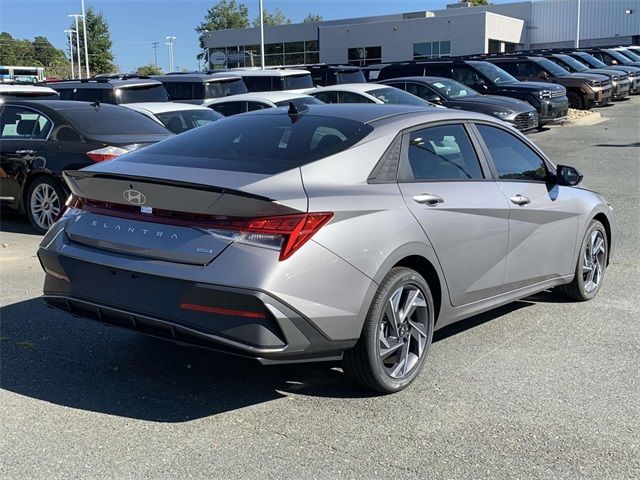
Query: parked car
[(452, 94), (367, 93), (274, 80), (610, 56), (584, 90), (632, 73), (630, 53), (326, 75), (548, 99), (34, 92), (176, 117), (248, 102), (619, 81), (40, 139), (197, 88), (112, 89), (325, 232)]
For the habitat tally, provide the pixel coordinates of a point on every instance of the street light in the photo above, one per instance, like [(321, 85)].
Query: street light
[(84, 34), (205, 50), (70, 32), (261, 36), (170, 45), (75, 17)]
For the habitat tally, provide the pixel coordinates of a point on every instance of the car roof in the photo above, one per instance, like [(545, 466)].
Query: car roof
[(274, 97), (197, 77), (417, 78), (267, 72), (349, 87), (5, 88), (57, 105), (162, 107), (105, 83)]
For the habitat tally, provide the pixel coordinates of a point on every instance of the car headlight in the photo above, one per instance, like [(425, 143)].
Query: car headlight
[(544, 93), (594, 83), (502, 113), (615, 78)]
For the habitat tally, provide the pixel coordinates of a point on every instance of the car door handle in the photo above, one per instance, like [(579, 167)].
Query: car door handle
[(519, 199), (428, 199), (24, 153)]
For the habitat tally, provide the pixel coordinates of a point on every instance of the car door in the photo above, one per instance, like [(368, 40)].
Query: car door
[(543, 222), (23, 133), (447, 185)]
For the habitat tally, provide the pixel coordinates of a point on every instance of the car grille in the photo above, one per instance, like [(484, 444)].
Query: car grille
[(605, 83), (526, 121), (558, 93)]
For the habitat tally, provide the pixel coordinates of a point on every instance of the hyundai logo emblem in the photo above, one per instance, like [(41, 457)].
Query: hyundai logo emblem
[(135, 197)]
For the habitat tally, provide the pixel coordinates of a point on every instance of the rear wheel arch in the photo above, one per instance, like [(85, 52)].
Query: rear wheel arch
[(32, 178), (425, 268)]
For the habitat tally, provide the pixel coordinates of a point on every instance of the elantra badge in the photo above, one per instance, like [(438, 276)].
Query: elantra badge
[(135, 197)]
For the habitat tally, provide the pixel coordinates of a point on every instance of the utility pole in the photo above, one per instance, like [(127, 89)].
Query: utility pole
[(70, 32), (155, 52), (261, 35), (75, 17), (578, 27), (170, 45), (84, 34)]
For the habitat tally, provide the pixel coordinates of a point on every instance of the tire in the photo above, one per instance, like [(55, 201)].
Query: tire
[(47, 194), (575, 100), (583, 287), (364, 363)]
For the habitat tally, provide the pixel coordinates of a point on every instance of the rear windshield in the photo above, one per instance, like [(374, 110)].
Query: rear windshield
[(256, 143), (112, 121), (146, 93), (295, 82), (355, 76), (224, 88), (306, 100), (396, 96)]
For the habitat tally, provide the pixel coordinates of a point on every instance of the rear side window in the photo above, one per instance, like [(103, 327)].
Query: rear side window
[(514, 159), (23, 123), (440, 153), (111, 121), (256, 143)]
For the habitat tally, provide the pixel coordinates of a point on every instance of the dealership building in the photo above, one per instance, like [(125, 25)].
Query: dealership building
[(459, 29)]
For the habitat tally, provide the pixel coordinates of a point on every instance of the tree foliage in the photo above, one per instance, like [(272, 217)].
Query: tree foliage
[(225, 15), (312, 18), (277, 17), (39, 52), (149, 70), (477, 3), (99, 43)]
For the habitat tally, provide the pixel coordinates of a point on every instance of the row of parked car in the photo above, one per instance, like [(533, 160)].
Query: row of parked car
[(71, 124)]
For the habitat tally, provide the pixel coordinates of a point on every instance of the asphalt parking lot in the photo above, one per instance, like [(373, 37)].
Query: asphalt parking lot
[(537, 389)]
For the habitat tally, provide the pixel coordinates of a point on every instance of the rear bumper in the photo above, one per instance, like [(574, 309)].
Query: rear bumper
[(240, 321)]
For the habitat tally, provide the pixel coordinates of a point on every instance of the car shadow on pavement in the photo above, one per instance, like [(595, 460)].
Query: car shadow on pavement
[(49, 355), (14, 223)]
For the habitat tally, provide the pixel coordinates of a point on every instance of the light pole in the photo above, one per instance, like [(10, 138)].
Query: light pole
[(205, 50), (75, 16), (170, 45), (84, 34), (70, 32), (155, 52), (261, 36), (578, 27)]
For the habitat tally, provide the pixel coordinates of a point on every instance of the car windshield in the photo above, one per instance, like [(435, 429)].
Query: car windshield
[(495, 74), (618, 56), (184, 120), (306, 100), (630, 54), (142, 93), (396, 96), (591, 60), (355, 76), (451, 89), (574, 64), (296, 82), (552, 68), (111, 121), (223, 88), (257, 143)]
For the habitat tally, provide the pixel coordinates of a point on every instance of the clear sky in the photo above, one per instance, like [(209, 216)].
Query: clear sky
[(136, 23)]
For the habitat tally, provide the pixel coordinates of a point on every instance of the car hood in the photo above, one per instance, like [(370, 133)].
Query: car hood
[(587, 77), (483, 103), (604, 71), (527, 86)]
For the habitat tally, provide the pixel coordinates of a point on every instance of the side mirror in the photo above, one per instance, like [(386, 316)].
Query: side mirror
[(434, 99), (568, 176), (542, 75), (479, 83)]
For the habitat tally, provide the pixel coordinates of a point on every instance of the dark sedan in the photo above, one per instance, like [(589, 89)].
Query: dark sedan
[(41, 139), (452, 94)]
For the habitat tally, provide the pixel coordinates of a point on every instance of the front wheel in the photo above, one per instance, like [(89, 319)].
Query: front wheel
[(396, 335), (592, 263), (575, 100), (44, 202)]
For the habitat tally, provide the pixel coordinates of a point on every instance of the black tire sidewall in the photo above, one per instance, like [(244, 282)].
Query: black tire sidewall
[(52, 182), (396, 278), (595, 225), (578, 102)]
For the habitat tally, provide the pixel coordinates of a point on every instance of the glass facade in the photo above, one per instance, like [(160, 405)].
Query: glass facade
[(365, 55), (431, 50), (287, 53)]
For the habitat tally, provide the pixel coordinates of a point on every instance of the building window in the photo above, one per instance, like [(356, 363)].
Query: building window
[(431, 50), (276, 54), (365, 55)]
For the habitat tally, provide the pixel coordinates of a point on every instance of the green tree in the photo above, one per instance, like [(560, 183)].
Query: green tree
[(46, 54), (99, 43), (275, 18), (312, 18), (14, 51), (224, 15), (477, 3), (149, 70)]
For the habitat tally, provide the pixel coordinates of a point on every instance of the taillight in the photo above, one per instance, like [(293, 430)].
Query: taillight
[(106, 153), (286, 233)]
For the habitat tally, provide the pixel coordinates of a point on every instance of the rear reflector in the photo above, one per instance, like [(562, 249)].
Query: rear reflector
[(222, 311), (106, 153)]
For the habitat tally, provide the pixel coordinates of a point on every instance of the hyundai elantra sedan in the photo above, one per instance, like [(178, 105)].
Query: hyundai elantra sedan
[(325, 232)]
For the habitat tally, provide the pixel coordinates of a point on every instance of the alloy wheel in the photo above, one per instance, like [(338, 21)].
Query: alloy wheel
[(45, 205), (594, 261), (403, 331)]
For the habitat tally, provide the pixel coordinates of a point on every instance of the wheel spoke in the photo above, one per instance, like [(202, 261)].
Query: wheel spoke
[(393, 312), (419, 328), (386, 352)]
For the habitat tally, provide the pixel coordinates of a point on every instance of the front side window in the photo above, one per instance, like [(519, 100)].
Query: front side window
[(23, 123), (440, 153), (451, 89), (514, 159)]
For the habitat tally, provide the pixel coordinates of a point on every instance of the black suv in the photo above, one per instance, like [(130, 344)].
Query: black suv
[(550, 100), (610, 56), (584, 90), (326, 75), (197, 88), (116, 89), (633, 73)]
